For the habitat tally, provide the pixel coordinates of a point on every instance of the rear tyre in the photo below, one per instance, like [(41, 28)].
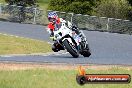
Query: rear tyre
[(72, 50), (86, 53)]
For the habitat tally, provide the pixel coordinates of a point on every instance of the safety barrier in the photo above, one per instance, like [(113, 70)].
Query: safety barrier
[(21, 14), (94, 23), (35, 15)]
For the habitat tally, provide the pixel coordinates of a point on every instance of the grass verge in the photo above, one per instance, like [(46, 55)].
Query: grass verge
[(15, 45), (48, 78)]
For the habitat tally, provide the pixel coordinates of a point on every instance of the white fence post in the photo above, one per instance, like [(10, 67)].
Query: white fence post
[(108, 23), (35, 13), (0, 8), (71, 17)]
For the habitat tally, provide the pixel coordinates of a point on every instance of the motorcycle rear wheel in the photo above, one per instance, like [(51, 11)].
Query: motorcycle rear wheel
[(86, 52)]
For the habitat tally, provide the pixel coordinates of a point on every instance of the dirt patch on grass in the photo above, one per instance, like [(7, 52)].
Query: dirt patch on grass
[(23, 66)]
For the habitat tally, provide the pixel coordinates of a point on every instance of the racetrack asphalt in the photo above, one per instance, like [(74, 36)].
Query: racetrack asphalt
[(106, 48)]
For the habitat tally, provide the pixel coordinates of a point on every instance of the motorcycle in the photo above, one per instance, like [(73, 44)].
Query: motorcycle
[(66, 39)]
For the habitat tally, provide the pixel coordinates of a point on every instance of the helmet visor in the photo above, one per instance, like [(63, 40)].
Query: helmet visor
[(51, 19)]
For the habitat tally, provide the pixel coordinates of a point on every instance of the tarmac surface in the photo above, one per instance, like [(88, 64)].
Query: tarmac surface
[(107, 48)]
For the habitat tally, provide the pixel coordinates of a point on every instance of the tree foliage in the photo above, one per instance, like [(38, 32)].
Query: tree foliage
[(108, 8), (76, 6), (113, 8)]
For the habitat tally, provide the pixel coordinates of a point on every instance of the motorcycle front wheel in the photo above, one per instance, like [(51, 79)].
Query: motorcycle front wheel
[(71, 49)]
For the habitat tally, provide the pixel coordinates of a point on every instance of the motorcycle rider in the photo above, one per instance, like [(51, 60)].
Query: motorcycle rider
[(80, 42), (54, 21), (53, 25)]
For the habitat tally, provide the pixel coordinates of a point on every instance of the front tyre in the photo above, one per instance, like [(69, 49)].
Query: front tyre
[(71, 49)]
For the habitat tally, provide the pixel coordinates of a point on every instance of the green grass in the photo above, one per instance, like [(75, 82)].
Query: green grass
[(42, 78), (13, 45)]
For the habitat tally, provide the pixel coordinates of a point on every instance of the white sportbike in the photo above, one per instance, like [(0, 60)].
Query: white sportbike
[(67, 39)]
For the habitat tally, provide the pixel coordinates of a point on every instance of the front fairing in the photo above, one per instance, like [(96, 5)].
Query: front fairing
[(61, 31)]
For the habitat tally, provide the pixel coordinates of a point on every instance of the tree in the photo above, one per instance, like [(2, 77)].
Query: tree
[(113, 8), (76, 6)]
